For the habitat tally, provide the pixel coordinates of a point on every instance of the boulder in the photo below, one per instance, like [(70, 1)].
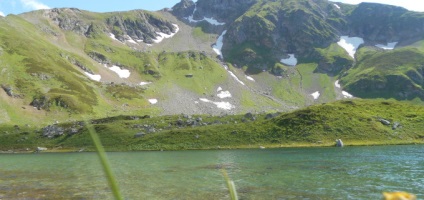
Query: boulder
[(52, 131), (339, 143), (8, 90), (385, 121), (38, 149), (250, 116), (140, 134), (396, 125)]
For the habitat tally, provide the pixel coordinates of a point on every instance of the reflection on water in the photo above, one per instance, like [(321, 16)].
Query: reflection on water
[(303, 173)]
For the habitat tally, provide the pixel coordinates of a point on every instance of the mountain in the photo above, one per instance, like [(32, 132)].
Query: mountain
[(213, 57)]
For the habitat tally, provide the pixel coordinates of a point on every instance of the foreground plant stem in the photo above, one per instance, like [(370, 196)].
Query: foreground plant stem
[(104, 161), (230, 185)]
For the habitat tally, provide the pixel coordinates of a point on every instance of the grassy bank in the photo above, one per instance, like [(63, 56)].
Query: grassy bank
[(356, 122)]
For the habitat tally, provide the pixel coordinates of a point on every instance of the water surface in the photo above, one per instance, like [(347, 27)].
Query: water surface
[(290, 173)]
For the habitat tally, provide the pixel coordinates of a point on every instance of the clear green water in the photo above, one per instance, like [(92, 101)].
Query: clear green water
[(293, 173)]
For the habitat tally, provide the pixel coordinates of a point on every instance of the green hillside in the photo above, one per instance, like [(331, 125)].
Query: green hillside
[(356, 122)]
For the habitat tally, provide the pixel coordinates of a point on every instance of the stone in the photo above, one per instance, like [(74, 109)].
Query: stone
[(396, 125), (140, 134), (8, 90), (384, 122), (52, 131), (339, 143), (38, 149)]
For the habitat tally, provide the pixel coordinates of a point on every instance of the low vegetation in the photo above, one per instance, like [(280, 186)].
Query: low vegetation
[(356, 122)]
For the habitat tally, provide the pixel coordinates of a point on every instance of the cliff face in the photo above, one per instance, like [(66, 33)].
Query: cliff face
[(384, 23), (283, 27), (264, 31), (137, 25)]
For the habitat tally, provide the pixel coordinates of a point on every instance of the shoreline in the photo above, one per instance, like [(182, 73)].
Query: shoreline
[(242, 147)]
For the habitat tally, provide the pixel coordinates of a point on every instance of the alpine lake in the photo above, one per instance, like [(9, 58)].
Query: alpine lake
[(288, 173)]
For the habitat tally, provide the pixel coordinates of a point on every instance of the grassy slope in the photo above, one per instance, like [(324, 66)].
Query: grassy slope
[(24, 59), (385, 73), (356, 122)]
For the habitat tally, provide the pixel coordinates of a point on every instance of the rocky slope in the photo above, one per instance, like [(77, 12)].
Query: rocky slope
[(210, 57), (262, 33)]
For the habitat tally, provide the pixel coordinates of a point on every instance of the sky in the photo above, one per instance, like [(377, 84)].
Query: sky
[(20, 6)]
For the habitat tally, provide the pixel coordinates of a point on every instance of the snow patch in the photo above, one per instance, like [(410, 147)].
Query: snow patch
[(220, 105), (250, 78), (224, 94), (153, 101), (235, 77), (145, 83), (111, 35), (122, 73), (213, 21), (291, 61), (346, 95), (337, 84), (337, 6), (93, 76), (350, 44), (389, 46), (209, 20), (217, 47), (131, 41), (219, 89), (316, 95), (164, 35)]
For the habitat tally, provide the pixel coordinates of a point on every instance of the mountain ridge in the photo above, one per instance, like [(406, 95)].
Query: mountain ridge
[(78, 63)]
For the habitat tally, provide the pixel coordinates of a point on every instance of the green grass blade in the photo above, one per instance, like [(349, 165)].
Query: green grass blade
[(104, 161), (230, 185)]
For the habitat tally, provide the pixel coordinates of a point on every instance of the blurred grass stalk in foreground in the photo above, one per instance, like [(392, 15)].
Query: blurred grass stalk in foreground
[(230, 185), (104, 161)]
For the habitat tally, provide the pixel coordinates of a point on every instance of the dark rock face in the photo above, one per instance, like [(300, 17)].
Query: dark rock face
[(8, 90), (332, 68), (384, 23), (183, 8), (76, 63), (139, 25), (99, 57), (222, 10), (40, 102), (68, 19), (52, 131), (142, 26), (267, 34)]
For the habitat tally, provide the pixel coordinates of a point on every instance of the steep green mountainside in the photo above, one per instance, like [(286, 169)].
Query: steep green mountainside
[(217, 57), (260, 33), (394, 74), (384, 23), (56, 65), (356, 122), (271, 29)]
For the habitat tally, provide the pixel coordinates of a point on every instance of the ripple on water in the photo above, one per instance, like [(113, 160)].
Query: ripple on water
[(302, 173)]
